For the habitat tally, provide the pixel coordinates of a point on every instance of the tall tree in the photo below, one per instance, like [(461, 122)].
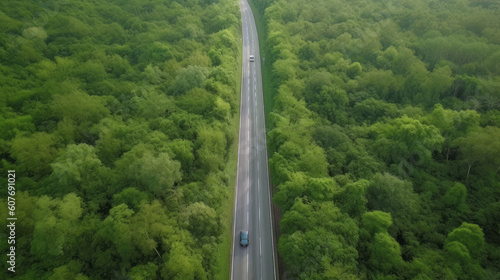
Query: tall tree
[(480, 147)]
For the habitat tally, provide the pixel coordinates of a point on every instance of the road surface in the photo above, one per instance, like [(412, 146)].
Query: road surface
[(252, 210)]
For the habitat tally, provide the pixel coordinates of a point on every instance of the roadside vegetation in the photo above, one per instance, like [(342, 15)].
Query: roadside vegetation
[(385, 147), (118, 118)]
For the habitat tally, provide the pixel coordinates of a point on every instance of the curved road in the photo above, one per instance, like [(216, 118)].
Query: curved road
[(252, 210)]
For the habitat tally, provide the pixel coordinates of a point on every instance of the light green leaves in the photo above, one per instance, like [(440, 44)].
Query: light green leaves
[(470, 235), (156, 173), (406, 139)]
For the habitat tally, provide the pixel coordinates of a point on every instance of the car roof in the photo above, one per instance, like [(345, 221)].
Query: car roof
[(244, 233)]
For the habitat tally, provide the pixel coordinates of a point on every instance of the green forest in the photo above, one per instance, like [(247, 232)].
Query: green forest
[(384, 137), (118, 117)]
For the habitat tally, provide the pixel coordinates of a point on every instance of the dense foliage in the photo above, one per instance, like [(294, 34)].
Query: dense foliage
[(116, 116), (385, 140)]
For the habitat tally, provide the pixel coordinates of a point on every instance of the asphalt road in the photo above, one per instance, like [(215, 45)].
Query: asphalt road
[(252, 209)]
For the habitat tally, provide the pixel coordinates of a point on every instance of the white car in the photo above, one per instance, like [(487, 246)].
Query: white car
[(252, 58)]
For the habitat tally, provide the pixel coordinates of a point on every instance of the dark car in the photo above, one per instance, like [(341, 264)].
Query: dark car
[(244, 238)]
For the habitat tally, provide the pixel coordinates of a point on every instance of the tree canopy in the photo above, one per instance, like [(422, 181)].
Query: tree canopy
[(397, 104), (117, 118)]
